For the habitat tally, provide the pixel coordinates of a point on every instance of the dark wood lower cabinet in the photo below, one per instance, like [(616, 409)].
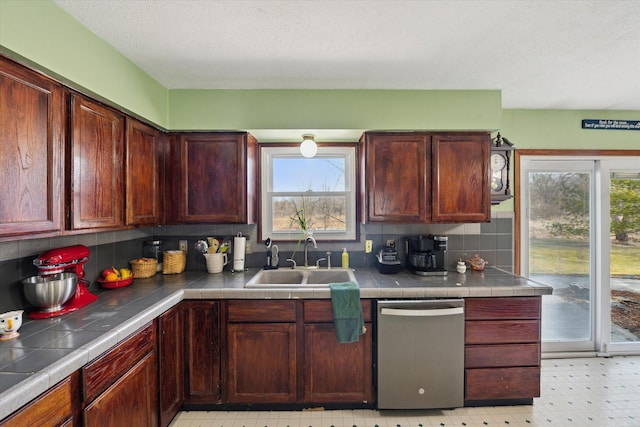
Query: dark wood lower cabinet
[(502, 349), (120, 387), (129, 401), (335, 372), (202, 352), (261, 363), (170, 363), (286, 352), (279, 353), (52, 408)]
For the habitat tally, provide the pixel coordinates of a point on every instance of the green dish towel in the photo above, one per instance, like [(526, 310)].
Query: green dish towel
[(347, 311)]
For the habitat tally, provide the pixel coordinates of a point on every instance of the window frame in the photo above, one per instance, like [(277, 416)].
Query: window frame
[(266, 194)]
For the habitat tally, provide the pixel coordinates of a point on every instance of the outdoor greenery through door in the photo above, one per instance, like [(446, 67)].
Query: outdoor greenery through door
[(580, 234)]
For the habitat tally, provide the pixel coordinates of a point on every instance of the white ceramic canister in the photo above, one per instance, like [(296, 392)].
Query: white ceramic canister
[(461, 267)]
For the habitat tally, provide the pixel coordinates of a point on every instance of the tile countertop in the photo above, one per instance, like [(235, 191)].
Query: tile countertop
[(49, 350)]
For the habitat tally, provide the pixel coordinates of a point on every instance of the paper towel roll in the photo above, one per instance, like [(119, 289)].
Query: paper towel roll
[(239, 245)]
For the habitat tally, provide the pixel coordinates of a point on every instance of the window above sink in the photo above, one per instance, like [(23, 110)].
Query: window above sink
[(325, 184)]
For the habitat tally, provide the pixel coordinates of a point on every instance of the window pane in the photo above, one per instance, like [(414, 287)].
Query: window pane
[(624, 190), (301, 175), (322, 213), (559, 252)]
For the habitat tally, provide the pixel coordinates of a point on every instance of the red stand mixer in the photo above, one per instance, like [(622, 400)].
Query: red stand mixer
[(70, 259)]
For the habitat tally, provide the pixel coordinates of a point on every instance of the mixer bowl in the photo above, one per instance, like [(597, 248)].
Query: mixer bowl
[(49, 293)]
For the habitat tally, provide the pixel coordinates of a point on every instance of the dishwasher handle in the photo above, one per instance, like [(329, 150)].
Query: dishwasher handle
[(404, 312)]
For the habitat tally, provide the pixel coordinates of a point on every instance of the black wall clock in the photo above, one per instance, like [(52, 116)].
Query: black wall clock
[(500, 164)]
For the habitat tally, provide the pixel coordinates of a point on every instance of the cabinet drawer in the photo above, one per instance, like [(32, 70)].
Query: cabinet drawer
[(101, 373), (502, 308), (503, 383), (502, 331), (321, 311), (50, 409), (261, 311), (502, 355)]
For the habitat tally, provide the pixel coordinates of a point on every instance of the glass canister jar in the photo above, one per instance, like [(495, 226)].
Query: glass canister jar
[(154, 249)]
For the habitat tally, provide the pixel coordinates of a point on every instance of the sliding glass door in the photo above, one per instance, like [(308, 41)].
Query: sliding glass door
[(559, 229), (580, 234), (622, 255)]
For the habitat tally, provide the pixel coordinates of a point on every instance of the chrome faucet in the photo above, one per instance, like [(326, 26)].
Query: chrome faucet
[(308, 240)]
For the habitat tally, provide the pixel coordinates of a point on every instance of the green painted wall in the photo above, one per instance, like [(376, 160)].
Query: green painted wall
[(563, 129), (41, 34), (334, 109)]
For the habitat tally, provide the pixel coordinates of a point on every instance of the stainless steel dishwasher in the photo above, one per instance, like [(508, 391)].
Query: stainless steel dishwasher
[(420, 354)]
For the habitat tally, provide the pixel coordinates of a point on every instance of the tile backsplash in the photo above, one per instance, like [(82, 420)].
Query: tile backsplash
[(492, 241)]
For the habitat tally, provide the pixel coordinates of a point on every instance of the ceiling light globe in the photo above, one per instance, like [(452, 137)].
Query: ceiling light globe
[(308, 148)]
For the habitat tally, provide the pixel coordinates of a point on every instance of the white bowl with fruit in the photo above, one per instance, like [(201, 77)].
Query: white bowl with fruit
[(112, 278)]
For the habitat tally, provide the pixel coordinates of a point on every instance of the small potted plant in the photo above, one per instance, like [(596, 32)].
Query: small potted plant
[(300, 219)]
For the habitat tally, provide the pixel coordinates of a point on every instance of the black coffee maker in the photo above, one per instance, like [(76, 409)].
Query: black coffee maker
[(425, 255)]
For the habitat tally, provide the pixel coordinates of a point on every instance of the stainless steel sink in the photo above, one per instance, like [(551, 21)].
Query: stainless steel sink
[(299, 278)]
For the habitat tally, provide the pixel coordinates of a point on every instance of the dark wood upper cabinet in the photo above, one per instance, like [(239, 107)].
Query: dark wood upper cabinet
[(213, 177), (460, 178), (142, 174), (95, 165), (31, 152), (420, 177), (396, 177)]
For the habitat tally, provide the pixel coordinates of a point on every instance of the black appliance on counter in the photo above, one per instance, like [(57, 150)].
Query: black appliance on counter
[(425, 255), (387, 261)]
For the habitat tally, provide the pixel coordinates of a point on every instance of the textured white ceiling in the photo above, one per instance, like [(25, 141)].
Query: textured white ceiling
[(575, 54)]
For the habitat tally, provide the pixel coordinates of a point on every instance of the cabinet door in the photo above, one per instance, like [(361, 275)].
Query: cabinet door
[(31, 142), (171, 363), (397, 177), (202, 352), (460, 178), (215, 182), (334, 372), (142, 174), (96, 159), (130, 401), (261, 362)]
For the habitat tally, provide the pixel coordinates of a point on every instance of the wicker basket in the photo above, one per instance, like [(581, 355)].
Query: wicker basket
[(143, 268), (174, 262)]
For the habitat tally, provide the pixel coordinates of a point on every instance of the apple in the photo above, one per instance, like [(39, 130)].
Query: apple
[(108, 271)]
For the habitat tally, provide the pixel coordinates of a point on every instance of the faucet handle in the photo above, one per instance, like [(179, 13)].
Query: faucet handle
[(318, 262), (293, 261)]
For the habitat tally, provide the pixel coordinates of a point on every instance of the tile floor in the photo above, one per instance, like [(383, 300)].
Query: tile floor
[(575, 392)]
